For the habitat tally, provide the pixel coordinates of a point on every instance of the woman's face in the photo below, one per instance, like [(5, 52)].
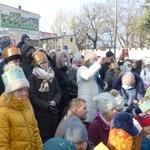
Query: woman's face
[(44, 65), (20, 93), (110, 114)]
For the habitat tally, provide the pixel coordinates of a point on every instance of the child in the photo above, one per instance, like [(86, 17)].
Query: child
[(18, 127)]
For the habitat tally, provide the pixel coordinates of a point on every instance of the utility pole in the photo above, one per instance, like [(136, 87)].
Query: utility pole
[(115, 27)]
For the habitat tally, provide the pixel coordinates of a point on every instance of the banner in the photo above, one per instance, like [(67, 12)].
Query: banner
[(18, 21)]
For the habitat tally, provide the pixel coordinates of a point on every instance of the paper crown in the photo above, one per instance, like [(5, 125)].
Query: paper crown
[(10, 51), (145, 105), (14, 78), (39, 56)]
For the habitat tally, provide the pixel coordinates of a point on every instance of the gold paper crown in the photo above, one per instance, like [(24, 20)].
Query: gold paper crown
[(38, 56), (10, 51), (145, 105)]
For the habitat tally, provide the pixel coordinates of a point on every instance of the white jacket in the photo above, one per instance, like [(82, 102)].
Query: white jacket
[(87, 88)]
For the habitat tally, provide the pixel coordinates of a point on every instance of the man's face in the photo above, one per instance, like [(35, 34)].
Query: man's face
[(17, 62), (82, 111)]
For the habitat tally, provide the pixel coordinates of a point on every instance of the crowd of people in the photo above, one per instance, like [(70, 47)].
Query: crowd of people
[(52, 101)]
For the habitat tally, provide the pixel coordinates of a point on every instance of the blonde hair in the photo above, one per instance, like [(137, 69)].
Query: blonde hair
[(76, 102)]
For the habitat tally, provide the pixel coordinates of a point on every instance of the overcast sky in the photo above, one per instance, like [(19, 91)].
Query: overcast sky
[(47, 8)]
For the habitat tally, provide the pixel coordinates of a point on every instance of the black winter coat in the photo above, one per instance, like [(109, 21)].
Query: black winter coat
[(47, 121)]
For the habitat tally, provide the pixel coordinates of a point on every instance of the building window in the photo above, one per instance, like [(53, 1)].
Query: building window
[(54, 40), (71, 39), (53, 47), (59, 47)]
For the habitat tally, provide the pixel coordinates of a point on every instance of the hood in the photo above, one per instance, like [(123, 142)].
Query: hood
[(138, 83), (24, 36), (24, 49)]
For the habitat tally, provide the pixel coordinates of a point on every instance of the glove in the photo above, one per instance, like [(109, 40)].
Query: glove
[(53, 110)]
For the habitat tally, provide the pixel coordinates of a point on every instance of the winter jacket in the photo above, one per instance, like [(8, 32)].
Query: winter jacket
[(47, 120), (24, 36), (109, 78), (145, 145), (18, 127), (135, 93), (26, 64), (88, 88), (98, 131), (72, 73)]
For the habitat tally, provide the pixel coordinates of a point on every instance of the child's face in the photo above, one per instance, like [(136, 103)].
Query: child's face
[(146, 129)]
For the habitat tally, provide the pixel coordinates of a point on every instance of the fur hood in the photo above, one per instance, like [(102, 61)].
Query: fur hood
[(60, 58), (138, 83)]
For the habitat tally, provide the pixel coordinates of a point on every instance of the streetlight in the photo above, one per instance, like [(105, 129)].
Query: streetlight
[(115, 27)]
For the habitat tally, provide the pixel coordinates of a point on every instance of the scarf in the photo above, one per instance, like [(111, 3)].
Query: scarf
[(46, 76)]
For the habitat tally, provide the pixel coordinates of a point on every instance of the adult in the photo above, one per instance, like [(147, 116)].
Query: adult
[(77, 107), (24, 40), (45, 95), (131, 87), (145, 73), (72, 73), (63, 63), (27, 59), (98, 130), (87, 82), (18, 127)]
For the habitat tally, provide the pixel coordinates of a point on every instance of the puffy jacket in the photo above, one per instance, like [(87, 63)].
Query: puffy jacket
[(18, 127)]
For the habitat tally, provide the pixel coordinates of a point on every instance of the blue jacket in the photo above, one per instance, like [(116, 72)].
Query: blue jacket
[(145, 145)]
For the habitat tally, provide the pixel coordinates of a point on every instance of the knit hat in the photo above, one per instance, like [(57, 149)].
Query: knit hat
[(77, 59), (128, 79), (119, 99), (106, 102), (75, 130), (14, 78), (58, 143), (147, 61), (124, 121), (88, 55), (143, 120), (109, 54), (39, 57), (12, 53)]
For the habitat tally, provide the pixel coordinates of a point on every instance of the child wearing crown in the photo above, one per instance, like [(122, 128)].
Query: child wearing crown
[(18, 127)]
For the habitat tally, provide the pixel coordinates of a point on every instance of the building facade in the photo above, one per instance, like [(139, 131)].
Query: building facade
[(19, 22), (59, 42)]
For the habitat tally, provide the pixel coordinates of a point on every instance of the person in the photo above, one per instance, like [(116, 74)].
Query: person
[(109, 76), (127, 66), (63, 63), (105, 66), (58, 143), (52, 57), (24, 40), (98, 130), (144, 121), (119, 100), (45, 95), (76, 133), (72, 73), (87, 82), (137, 66), (18, 127), (125, 133), (11, 54), (145, 73), (27, 59), (5, 41), (77, 107), (131, 87)]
